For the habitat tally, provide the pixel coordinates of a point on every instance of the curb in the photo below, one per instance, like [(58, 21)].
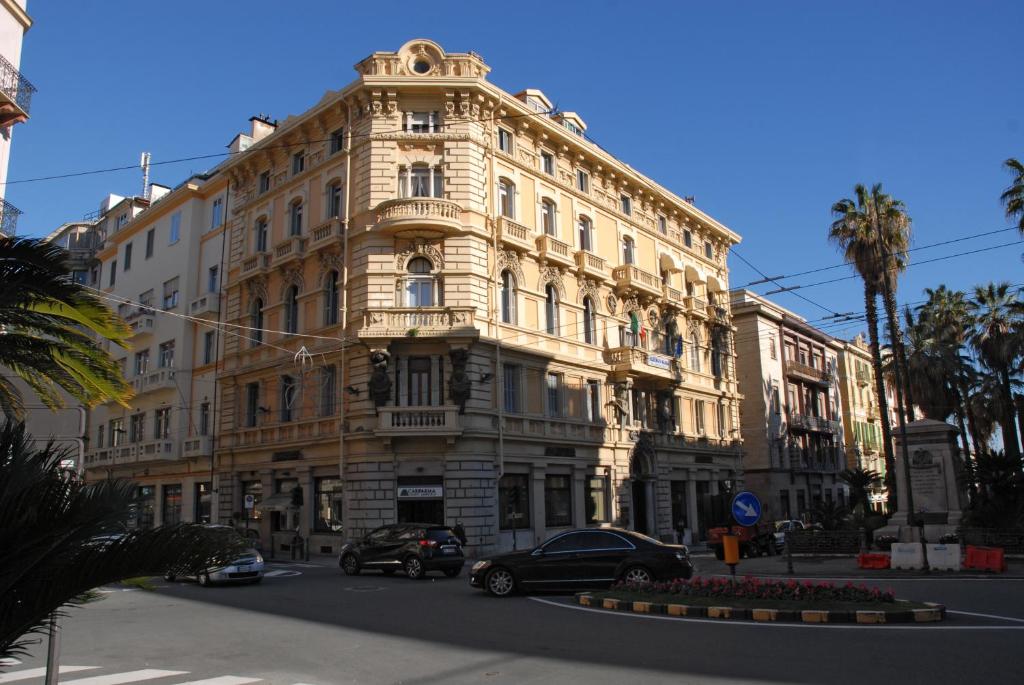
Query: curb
[(934, 612)]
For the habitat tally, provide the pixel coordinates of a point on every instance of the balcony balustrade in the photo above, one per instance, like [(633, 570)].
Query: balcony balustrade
[(514, 235), (554, 251), (199, 446), (806, 372), (672, 296), (814, 424), (289, 249), (440, 421), (634, 361), (15, 95), (326, 233), (258, 263), (206, 304), (141, 321), (161, 379), (696, 307), (589, 264), (418, 322), (631, 277), (427, 216)]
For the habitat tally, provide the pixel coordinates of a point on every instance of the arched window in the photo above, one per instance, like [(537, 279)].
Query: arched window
[(295, 219), (260, 234), (419, 284), (589, 321), (716, 357), (586, 230), (331, 299), (695, 352), (256, 322), (291, 309), (547, 217), (627, 250), (506, 198), (334, 200), (508, 298), (551, 309)]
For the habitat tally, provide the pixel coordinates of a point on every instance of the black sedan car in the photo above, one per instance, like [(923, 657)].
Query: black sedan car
[(581, 559), (416, 548)]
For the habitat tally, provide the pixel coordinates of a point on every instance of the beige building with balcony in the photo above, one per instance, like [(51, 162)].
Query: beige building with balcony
[(15, 97), (862, 429), (791, 418), (464, 311), (157, 261)]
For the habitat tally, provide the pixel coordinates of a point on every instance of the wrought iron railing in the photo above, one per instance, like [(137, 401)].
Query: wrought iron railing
[(1011, 540), (15, 86), (9, 218), (824, 542)]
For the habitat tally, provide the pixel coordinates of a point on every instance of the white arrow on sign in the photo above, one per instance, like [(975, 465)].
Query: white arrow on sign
[(746, 509)]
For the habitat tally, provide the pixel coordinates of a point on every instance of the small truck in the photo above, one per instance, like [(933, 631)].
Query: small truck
[(755, 540)]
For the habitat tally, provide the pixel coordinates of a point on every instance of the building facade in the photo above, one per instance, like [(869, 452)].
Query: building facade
[(15, 96), (460, 310), (862, 429), (158, 263), (791, 419)]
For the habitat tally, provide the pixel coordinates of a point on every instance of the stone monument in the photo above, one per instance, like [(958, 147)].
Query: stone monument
[(935, 467)]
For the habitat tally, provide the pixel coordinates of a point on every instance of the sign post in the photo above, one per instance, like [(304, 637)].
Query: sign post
[(746, 511)]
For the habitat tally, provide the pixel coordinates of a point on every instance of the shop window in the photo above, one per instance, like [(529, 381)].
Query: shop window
[(557, 501), (514, 501)]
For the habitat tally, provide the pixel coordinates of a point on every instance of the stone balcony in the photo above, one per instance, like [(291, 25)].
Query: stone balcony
[(514, 235), (141, 321), (554, 251), (813, 424), (717, 312), (290, 249), (205, 304), (589, 264), (163, 449), (696, 306), (284, 433), (549, 428), (634, 361), (198, 446), (419, 217), (632, 277), (326, 233), (672, 296), (397, 422), (258, 263), (418, 322), (15, 95), (807, 373), (160, 379)]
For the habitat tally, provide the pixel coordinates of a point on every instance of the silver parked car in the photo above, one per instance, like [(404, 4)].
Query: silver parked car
[(247, 568)]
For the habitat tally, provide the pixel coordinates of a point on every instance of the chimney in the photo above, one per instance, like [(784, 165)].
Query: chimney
[(157, 191), (262, 127)]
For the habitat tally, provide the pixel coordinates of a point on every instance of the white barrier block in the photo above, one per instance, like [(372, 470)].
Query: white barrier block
[(944, 557), (907, 555)]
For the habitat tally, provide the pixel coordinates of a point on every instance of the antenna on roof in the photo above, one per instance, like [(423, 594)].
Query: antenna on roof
[(144, 163)]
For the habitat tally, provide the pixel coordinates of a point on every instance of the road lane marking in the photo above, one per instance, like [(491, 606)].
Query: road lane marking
[(281, 574), (758, 624), (998, 618), (38, 672), (126, 677), (223, 680)]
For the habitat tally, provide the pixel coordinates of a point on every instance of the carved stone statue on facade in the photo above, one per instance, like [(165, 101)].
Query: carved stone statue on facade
[(459, 386), (665, 411), (380, 383)]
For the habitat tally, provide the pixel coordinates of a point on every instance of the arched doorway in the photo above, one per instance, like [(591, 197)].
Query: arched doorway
[(641, 474)]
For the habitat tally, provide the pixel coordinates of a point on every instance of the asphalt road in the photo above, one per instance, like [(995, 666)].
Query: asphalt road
[(310, 624)]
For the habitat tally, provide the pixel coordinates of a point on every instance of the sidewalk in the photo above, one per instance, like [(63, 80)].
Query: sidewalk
[(836, 567)]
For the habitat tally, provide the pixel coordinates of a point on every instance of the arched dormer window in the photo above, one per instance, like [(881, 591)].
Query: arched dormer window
[(506, 198), (420, 283), (331, 298), (256, 322), (291, 309), (261, 234), (589, 321), (551, 309), (628, 251), (548, 217), (586, 233), (295, 218), (508, 298)]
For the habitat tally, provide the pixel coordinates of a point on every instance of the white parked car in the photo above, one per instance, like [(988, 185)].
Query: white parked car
[(783, 527), (247, 568)]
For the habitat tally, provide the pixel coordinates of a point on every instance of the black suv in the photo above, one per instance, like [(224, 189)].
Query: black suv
[(414, 547)]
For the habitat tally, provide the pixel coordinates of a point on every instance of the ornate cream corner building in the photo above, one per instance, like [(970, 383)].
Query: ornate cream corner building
[(452, 307)]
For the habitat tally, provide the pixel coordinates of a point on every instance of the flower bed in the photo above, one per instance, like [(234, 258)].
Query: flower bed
[(750, 588)]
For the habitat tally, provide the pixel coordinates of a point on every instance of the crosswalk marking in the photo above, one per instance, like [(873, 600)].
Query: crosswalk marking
[(38, 673), (126, 677), (223, 680)]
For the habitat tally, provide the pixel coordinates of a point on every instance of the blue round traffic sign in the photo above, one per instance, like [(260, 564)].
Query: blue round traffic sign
[(746, 508)]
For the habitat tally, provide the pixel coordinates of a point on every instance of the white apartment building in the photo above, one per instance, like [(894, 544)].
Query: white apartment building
[(15, 96)]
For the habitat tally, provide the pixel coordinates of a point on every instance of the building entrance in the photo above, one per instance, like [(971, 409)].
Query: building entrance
[(420, 500), (640, 507)]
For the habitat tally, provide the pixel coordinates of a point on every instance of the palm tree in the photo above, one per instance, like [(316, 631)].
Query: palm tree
[(47, 324), (855, 235), (860, 482), (997, 340), (61, 538), (1013, 197)]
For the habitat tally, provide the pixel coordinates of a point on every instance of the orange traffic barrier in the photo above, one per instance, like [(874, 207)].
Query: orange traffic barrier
[(872, 560), (985, 559)]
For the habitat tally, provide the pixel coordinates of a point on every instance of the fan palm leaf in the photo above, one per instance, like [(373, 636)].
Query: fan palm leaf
[(1013, 197)]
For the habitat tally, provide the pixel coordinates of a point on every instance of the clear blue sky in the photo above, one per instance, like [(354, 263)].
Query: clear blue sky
[(766, 112)]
